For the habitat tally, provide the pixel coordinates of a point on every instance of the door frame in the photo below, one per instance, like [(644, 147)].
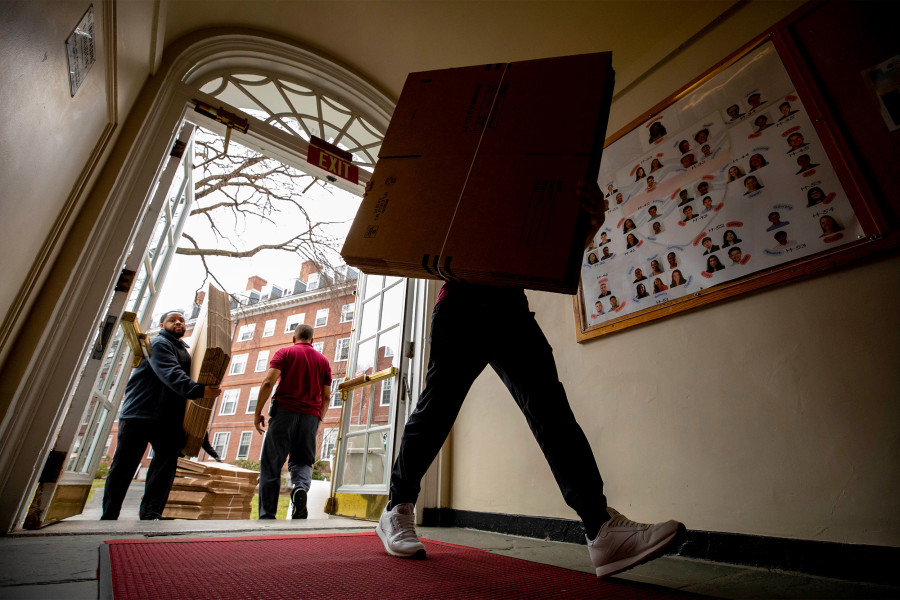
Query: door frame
[(93, 256)]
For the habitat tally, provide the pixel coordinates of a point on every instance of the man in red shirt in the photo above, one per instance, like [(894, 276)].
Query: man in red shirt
[(298, 405)]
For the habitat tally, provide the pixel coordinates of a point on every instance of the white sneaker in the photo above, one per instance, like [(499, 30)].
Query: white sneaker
[(622, 544), (397, 530)]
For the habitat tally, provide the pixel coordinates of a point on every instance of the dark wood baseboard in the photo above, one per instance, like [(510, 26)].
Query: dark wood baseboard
[(854, 562)]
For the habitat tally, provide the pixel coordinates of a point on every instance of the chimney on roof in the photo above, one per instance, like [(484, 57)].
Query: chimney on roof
[(256, 283), (199, 298), (306, 269)]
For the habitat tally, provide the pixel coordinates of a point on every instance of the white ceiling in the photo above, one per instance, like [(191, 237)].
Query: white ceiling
[(384, 40)]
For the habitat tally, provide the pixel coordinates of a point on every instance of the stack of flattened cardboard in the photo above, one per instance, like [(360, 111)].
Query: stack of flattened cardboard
[(477, 174), (209, 490), (211, 353)]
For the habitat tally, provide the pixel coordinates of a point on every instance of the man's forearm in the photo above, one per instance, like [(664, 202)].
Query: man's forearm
[(264, 392), (326, 397)]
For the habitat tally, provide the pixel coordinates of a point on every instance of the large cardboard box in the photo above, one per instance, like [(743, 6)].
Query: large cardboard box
[(476, 176)]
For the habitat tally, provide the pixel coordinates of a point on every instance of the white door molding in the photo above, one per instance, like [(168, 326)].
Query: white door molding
[(39, 402)]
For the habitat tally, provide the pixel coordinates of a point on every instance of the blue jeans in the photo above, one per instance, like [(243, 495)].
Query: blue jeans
[(470, 331), (290, 435)]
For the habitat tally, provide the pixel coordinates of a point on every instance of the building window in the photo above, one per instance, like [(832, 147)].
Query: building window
[(220, 443), (150, 453), (329, 441), (293, 321), (335, 394), (346, 313), (238, 364), (244, 447), (312, 282), (322, 317), (262, 361), (342, 352), (229, 401), (246, 332), (270, 328), (387, 386), (254, 398), (318, 346)]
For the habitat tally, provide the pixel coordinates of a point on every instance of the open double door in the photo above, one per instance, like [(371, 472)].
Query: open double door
[(387, 318)]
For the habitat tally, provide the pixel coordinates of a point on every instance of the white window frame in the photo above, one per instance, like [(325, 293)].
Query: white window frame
[(319, 347), (296, 319), (387, 387), (322, 315), (248, 435), (335, 401), (238, 361), (347, 312), (262, 356), (269, 330), (342, 344), (221, 435), (252, 399), (329, 440), (245, 333), (230, 399), (312, 282)]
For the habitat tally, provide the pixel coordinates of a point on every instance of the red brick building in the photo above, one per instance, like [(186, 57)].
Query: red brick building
[(264, 320)]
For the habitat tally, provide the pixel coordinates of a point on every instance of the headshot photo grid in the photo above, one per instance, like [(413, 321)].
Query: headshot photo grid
[(727, 181)]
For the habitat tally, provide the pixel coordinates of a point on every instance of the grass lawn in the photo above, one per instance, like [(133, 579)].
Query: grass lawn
[(284, 500), (96, 484)]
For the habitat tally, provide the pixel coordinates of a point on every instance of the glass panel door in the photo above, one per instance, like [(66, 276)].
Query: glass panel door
[(103, 381), (369, 418)]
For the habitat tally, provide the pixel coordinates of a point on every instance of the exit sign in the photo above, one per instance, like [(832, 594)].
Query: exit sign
[(333, 160)]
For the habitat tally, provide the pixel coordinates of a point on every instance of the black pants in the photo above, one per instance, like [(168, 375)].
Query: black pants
[(469, 332), (167, 440), (292, 436)]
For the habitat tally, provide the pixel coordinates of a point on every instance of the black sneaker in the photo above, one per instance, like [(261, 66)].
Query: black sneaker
[(298, 499)]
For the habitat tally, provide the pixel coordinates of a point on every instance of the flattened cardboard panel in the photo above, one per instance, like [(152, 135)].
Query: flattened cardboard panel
[(532, 212), (442, 112), (507, 207), (404, 215), (551, 106)]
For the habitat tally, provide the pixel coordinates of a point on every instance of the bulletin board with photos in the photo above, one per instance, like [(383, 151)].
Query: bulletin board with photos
[(728, 182)]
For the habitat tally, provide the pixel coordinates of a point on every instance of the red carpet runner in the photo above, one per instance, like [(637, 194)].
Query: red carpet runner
[(352, 565)]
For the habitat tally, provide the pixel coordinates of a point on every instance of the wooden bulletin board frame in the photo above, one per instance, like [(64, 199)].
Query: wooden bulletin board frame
[(871, 222)]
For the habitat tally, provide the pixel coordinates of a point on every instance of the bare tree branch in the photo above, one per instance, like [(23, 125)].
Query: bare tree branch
[(234, 193)]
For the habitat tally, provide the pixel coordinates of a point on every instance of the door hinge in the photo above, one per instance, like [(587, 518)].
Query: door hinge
[(106, 329), (126, 277)]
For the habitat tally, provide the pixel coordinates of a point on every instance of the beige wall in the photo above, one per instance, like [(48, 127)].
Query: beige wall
[(774, 414), (52, 144)]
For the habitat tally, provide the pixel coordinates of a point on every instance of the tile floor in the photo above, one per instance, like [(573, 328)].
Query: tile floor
[(61, 561)]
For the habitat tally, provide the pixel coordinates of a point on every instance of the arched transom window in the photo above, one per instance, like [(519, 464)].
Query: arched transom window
[(300, 109)]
